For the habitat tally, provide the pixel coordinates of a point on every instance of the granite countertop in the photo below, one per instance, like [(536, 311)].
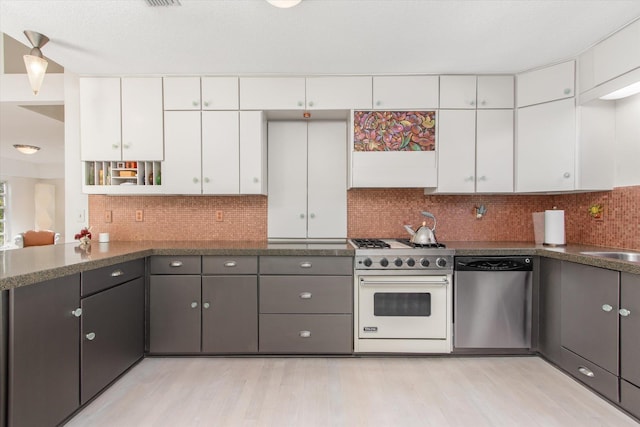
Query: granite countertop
[(21, 267)]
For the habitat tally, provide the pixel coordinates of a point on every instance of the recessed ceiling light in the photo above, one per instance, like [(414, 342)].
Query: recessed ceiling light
[(26, 149), (632, 89)]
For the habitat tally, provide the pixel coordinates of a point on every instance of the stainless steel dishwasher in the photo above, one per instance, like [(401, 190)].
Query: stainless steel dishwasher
[(492, 302)]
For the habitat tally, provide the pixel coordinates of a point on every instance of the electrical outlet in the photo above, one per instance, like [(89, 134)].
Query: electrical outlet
[(139, 215), (108, 216), (219, 216), (80, 215)]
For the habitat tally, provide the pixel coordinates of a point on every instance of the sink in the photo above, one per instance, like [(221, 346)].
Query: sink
[(623, 256)]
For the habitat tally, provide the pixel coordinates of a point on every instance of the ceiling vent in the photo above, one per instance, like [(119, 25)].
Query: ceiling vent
[(154, 3)]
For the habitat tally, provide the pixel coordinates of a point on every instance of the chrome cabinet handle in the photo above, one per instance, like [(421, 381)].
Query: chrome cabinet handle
[(312, 215), (230, 264), (472, 103), (482, 178), (483, 102), (378, 102), (255, 179), (117, 273), (469, 178), (624, 312), (567, 175), (206, 103), (300, 103), (206, 305), (567, 91), (206, 179), (91, 336), (305, 264), (77, 312), (306, 295), (128, 145), (195, 180), (310, 103), (195, 103), (304, 334), (586, 372), (301, 216), (194, 304), (175, 264), (606, 307), (115, 146)]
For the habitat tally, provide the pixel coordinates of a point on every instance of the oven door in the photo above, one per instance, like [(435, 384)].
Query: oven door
[(413, 307)]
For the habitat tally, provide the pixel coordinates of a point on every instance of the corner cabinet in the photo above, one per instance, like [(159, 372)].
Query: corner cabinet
[(630, 342)]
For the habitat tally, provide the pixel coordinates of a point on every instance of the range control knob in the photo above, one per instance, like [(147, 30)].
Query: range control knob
[(384, 262), (424, 262), (397, 262), (367, 262), (411, 262), (441, 262)]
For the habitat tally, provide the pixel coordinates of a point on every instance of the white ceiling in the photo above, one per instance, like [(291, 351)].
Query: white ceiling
[(315, 37), (245, 37)]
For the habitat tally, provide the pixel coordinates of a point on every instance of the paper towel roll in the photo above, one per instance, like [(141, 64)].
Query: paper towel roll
[(554, 227)]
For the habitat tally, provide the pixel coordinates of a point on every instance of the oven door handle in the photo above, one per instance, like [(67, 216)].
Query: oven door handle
[(365, 282)]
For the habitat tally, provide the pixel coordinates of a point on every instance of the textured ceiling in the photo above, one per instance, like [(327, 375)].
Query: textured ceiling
[(315, 37)]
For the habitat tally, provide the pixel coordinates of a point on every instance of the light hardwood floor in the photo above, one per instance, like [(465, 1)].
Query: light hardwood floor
[(372, 391)]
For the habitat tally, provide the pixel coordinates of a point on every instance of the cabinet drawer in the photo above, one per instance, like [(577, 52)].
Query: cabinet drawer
[(306, 265), (190, 264), (306, 294), (630, 397), (591, 374), (105, 277), (306, 333), (229, 265)]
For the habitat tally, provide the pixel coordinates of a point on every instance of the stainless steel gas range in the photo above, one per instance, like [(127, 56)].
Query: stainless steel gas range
[(402, 297)]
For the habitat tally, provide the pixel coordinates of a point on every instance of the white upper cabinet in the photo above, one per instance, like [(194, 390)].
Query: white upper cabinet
[(457, 92), (195, 93), (546, 84), (272, 93), (494, 151), (338, 93), (545, 151), (495, 92), (405, 92), (617, 55), (457, 151), (100, 125), (253, 152), (220, 152), (181, 171), (142, 136)]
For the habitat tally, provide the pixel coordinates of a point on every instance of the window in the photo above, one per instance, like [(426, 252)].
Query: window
[(3, 213)]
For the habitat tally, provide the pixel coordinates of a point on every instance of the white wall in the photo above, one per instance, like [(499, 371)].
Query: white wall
[(627, 142)]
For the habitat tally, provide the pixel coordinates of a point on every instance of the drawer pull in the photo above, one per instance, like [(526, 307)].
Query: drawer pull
[(304, 334), (194, 304), (624, 312), (91, 336), (117, 273), (607, 308), (305, 264), (230, 264), (77, 312), (586, 372), (305, 295), (176, 264), (206, 305)]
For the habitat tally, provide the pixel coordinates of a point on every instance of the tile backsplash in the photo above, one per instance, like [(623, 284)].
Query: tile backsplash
[(378, 213)]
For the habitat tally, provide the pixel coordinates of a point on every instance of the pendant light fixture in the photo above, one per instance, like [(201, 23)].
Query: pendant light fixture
[(26, 149), (283, 4), (34, 62)]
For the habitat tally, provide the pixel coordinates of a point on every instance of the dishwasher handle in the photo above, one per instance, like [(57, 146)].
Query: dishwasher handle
[(493, 264)]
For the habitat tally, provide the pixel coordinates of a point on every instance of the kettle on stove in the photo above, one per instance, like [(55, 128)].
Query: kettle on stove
[(423, 235)]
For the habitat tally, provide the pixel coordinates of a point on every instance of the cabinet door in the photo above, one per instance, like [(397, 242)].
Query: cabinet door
[(181, 170), (44, 352), (494, 151), (457, 151), (142, 137), (546, 84), (181, 93), (405, 92), (253, 153), (220, 93), (272, 93), (287, 202), (589, 319), (495, 92), (220, 152), (545, 150), (112, 335), (550, 309), (174, 314), (617, 54), (630, 328), (230, 314), (327, 180), (338, 93), (100, 137), (457, 91)]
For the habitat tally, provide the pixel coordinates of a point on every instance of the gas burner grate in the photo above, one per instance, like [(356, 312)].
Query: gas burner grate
[(370, 243), (418, 245)]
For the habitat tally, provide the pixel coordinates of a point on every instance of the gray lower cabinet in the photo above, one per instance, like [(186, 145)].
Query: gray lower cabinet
[(550, 309), (112, 335), (44, 352), (630, 342)]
